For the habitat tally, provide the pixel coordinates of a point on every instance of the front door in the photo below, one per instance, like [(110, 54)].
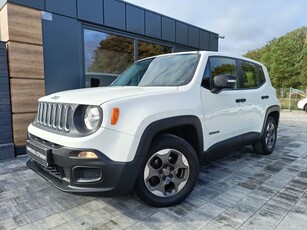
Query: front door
[(223, 110)]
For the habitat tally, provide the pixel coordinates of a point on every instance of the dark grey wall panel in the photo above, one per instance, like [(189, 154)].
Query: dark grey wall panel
[(204, 40), (61, 40), (6, 137), (193, 36), (5, 121), (4, 93), (181, 33), (64, 7), (4, 80), (153, 24), (90, 10), (5, 108), (38, 4), (115, 14), (168, 29), (135, 19), (4, 147), (182, 49), (214, 42), (4, 101)]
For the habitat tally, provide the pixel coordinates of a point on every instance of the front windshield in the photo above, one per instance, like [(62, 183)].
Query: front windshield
[(170, 70)]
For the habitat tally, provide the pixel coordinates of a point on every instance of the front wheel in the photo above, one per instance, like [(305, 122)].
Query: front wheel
[(169, 173), (267, 142)]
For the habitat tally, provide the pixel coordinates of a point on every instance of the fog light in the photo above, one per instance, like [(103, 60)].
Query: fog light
[(88, 155)]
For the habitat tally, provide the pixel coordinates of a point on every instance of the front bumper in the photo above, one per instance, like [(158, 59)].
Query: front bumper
[(69, 173)]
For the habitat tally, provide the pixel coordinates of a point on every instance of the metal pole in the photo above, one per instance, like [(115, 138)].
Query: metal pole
[(290, 98)]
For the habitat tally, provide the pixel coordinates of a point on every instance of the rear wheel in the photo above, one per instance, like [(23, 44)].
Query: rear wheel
[(305, 108), (169, 173), (267, 142)]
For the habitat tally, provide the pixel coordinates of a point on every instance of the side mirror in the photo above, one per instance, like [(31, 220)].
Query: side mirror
[(223, 82)]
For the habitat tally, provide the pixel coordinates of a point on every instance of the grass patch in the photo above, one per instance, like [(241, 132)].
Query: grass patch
[(285, 103)]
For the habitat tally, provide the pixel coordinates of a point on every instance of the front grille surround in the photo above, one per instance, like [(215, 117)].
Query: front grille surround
[(55, 116), (63, 119)]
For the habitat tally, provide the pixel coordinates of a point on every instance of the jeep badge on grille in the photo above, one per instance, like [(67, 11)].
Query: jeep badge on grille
[(55, 97)]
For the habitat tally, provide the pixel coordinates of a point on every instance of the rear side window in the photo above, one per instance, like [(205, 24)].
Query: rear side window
[(248, 76)]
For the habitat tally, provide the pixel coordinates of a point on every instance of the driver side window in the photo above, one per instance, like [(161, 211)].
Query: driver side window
[(219, 66)]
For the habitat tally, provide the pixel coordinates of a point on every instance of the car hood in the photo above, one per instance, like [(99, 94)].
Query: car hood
[(100, 95)]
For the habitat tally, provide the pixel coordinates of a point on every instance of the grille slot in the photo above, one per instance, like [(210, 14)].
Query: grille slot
[(55, 116)]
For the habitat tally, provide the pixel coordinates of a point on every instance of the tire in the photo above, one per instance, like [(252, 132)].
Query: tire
[(305, 108), (267, 142), (169, 172)]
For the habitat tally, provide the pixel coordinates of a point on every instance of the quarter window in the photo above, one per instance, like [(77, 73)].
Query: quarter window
[(261, 76)]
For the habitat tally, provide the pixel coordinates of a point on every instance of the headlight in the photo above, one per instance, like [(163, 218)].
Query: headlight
[(92, 117)]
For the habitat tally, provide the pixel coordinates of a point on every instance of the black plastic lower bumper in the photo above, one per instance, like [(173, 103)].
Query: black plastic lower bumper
[(69, 173)]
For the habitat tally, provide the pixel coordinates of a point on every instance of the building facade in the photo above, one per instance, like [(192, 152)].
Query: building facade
[(56, 45)]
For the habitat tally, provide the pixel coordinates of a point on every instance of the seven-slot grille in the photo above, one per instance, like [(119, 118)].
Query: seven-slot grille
[(55, 116)]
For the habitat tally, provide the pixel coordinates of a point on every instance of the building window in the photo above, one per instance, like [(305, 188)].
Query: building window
[(106, 56), (147, 49)]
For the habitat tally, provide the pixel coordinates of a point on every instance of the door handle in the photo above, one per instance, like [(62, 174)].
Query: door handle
[(264, 97), (240, 100)]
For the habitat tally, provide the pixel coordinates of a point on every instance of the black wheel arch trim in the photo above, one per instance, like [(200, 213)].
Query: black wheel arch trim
[(274, 108), (168, 123)]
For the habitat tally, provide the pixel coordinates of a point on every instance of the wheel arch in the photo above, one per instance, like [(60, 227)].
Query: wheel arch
[(188, 128), (273, 111)]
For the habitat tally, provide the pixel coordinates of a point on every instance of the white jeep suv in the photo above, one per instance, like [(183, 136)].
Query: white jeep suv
[(152, 126)]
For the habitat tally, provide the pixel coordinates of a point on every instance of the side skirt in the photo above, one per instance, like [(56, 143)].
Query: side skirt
[(237, 142)]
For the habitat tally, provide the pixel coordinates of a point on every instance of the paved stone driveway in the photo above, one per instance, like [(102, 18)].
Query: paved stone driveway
[(240, 191)]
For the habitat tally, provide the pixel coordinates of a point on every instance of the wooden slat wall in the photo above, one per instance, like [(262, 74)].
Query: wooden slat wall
[(25, 93), (25, 60), (24, 24), (21, 28), (21, 121)]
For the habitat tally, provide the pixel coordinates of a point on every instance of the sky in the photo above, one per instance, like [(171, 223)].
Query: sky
[(246, 24)]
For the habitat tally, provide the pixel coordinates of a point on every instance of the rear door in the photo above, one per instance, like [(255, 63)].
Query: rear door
[(252, 89)]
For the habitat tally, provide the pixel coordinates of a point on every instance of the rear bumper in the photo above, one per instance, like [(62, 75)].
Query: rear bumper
[(100, 176)]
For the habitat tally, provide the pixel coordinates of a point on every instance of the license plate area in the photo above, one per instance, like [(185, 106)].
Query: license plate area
[(39, 153)]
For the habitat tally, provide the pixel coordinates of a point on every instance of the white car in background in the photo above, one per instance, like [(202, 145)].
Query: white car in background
[(302, 104)]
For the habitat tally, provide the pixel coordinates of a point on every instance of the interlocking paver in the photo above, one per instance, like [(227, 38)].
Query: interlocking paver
[(240, 190)]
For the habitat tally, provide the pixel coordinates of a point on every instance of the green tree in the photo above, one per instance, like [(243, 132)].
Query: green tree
[(286, 59), (302, 65)]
